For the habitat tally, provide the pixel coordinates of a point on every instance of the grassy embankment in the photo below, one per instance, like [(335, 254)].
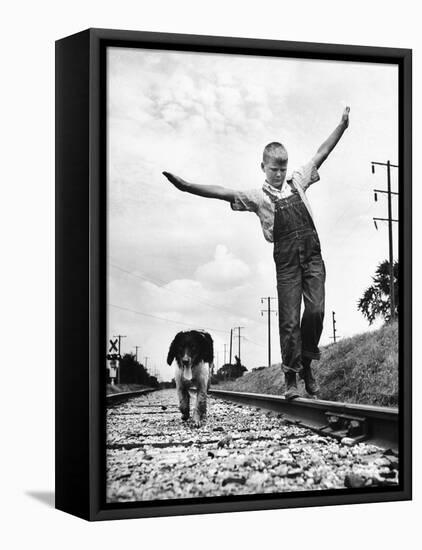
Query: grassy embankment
[(360, 369)]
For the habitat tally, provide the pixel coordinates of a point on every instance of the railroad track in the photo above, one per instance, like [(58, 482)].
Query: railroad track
[(377, 425), (258, 446), (122, 396)]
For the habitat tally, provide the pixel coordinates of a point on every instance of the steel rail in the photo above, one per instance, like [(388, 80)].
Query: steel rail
[(377, 425), (120, 396)]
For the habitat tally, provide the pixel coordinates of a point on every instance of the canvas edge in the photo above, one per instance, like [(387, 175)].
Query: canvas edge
[(95, 174)]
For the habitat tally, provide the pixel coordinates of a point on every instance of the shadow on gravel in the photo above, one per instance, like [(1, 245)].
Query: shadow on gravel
[(46, 497)]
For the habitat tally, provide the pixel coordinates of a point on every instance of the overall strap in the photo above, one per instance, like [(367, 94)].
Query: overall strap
[(304, 199)]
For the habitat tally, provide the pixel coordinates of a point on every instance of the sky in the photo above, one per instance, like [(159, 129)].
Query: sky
[(179, 262)]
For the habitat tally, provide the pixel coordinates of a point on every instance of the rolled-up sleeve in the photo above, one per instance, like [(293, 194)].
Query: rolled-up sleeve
[(246, 200), (306, 175)]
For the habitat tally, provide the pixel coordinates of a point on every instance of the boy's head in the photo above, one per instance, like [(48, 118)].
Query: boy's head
[(274, 164)]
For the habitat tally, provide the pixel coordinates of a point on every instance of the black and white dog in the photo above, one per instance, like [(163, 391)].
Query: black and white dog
[(194, 354)]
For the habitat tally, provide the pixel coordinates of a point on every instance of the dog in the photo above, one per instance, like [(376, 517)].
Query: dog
[(194, 354)]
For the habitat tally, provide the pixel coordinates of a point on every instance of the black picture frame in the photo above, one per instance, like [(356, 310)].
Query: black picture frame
[(81, 269)]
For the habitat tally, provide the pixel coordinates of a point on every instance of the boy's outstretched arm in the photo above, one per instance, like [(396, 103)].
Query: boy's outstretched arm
[(332, 140), (208, 191)]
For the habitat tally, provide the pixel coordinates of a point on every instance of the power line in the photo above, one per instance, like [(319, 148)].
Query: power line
[(347, 208), (355, 225), (162, 284), (252, 342), (162, 318)]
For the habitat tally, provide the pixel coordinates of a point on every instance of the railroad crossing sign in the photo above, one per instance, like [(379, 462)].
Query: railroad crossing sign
[(113, 356), (113, 346), (113, 351)]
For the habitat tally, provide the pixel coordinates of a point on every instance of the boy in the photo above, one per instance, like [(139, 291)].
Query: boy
[(287, 221)]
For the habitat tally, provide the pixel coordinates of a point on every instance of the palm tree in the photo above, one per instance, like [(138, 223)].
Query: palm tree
[(375, 301)]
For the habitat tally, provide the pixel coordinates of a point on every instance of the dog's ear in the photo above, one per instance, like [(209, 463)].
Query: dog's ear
[(207, 348), (173, 347)]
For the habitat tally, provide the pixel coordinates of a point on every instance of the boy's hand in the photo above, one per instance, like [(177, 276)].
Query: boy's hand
[(345, 117), (176, 181)]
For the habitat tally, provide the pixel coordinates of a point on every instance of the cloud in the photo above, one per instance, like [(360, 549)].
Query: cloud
[(224, 272), (183, 296), (168, 89)]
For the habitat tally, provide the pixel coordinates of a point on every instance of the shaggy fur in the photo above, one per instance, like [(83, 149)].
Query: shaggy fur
[(194, 354)]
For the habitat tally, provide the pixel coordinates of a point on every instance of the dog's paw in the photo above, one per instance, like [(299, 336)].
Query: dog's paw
[(197, 422), (185, 412)]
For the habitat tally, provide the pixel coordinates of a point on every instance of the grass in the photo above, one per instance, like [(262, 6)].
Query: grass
[(360, 369)]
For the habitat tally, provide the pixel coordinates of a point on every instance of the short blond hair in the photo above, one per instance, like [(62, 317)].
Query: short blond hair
[(274, 150)]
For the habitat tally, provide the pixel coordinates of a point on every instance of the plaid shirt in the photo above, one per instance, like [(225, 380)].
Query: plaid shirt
[(261, 201)]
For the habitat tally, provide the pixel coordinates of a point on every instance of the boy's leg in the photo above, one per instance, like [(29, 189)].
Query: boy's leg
[(313, 317), (289, 290), (311, 385)]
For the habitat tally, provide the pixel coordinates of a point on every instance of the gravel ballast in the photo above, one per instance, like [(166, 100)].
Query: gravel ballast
[(153, 455)]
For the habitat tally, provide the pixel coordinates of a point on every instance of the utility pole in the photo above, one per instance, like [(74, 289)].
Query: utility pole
[(390, 227), (231, 345), (269, 311), (119, 336), (146, 362), (239, 337), (136, 351), (334, 328)]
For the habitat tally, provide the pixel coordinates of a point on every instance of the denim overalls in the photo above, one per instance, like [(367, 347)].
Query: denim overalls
[(300, 272)]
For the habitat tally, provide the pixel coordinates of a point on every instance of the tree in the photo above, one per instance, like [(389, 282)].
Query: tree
[(133, 372), (230, 372), (375, 301)]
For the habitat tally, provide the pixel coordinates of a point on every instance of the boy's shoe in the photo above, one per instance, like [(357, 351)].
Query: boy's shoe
[(311, 384), (291, 386)]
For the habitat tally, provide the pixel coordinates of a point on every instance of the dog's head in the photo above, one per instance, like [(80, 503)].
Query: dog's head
[(190, 348)]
